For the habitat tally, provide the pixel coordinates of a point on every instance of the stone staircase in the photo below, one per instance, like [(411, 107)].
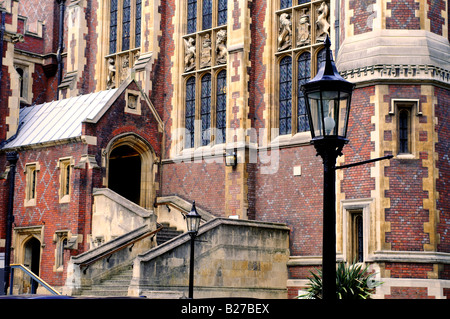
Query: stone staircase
[(115, 285), (167, 233)]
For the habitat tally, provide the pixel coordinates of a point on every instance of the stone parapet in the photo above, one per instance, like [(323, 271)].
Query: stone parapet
[(234, 258)]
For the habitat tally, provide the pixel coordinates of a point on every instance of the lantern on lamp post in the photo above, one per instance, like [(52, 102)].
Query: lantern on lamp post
[(193, 223), (328, 98)]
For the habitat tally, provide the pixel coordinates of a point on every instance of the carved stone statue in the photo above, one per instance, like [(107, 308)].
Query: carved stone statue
[(221, 47), (125, 67), (285, 32), (111, 77), (205, 59), (304, 29), (189, 54), (322, 22)]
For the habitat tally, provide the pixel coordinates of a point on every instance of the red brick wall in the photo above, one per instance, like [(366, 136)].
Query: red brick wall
[(48, 11), (403, 15), (162, 90), (202, 182), (294, 200), (258, 69), (442, 112), (437, 22), (409, 270), (409, 293), (363, 14), (406, 214), (357, 182), (73, 216)]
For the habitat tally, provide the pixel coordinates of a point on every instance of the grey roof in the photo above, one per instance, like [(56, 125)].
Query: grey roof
[(58, 120)]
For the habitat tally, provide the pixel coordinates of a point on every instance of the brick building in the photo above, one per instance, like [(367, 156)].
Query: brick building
[(146, 98)]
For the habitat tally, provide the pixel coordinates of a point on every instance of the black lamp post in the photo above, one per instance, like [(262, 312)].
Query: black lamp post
[(193, 222), (12, 158), (328, 98)]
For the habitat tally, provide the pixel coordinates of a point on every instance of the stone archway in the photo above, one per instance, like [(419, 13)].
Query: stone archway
[(32, 255), (32, 260), (124, 174), (129, 169)]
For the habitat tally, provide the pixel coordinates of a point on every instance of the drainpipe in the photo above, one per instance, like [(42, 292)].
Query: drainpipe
[(60, 43), (12, 158), (2, 33)]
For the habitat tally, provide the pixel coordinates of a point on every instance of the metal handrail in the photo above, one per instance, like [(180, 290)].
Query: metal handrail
[(33, 277)]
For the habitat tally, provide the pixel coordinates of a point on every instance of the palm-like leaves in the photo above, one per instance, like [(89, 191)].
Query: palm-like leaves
[(352, 282)]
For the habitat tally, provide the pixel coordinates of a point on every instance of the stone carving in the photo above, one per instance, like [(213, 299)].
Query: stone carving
[(221, 47), (285, 32), (206, 52), (189, 54), (111, 77), (125, 67), (304, 29), (322, 22)]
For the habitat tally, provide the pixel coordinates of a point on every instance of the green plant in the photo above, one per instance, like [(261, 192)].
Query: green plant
[(352, 282)]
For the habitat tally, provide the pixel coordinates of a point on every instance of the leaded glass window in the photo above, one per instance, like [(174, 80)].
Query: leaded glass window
[(403, 130), (320, 58), (206, 109), (191, 16), (207, 14), (285, 95), (285, 4), (126, 21), (205, 59), (222, 12), (303, 76), (221, 109), (113, 27), (190, 112), (138, 23)]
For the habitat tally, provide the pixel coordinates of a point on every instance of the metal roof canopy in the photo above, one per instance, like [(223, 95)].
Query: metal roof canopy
[(59, 120)]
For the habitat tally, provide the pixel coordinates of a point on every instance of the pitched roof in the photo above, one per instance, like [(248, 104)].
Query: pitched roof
[(58, 120)]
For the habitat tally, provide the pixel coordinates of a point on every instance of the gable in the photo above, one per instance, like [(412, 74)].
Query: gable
[(62, 120)]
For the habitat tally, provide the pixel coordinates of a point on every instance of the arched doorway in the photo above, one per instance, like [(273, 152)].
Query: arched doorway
[(31, 260), (125, 173), (130, 170)]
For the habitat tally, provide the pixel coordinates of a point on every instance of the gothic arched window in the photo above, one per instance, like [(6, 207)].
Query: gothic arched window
[(302, 27), (285, 115), (191, 16), (206, 109), (207, 14), (303, 76), (124, 39), (205, 59), (190, 112), (221, 107)]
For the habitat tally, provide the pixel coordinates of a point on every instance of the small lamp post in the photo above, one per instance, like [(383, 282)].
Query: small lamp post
[(328, 98), (193, 223)]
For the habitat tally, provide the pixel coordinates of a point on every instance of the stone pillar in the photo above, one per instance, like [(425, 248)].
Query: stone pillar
[(236, 188)]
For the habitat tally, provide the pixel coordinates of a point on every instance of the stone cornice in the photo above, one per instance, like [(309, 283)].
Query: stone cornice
[(397, 72)]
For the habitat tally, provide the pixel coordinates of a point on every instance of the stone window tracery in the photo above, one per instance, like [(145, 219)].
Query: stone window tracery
[(204, 72), (124, 39), (302, 26)]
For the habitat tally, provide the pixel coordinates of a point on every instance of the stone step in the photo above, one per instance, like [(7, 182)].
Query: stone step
[(167, 233), (114, 286)]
